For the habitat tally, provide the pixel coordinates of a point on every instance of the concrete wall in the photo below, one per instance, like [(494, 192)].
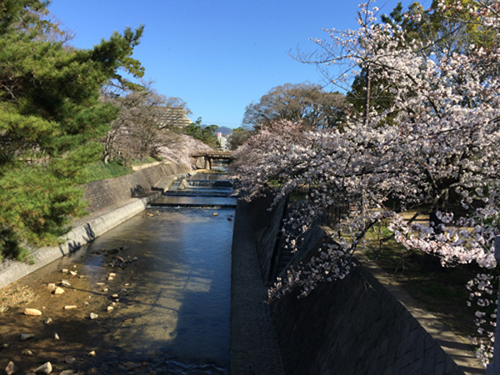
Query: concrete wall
[(352, 326), (106, 193), (116, 193)]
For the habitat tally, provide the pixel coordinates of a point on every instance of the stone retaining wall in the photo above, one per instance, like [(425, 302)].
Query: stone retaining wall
[(352, 326), (112, 191)]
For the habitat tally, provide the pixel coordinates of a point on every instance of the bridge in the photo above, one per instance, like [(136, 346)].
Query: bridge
[(204, 159)]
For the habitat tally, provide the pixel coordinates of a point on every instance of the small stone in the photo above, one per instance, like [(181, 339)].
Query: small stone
[(65, 283), (4, 346), (26, 336), (51, 286), (67, 372), (117, 300), (33, 312), (105, 290), (111, 278), (113, 304), (100, 284), (114, 296), (58, 291), (110, 308), (27, 353), (134, 258), (69, 307), (56, 336), (46, 368), (127, 284), (73, 273), (69, 360), (93, 316), (86, 303), (74, 265), (112, 274), (11, 368), (48, 320), (91, 354), (64, 270), (215, 214)]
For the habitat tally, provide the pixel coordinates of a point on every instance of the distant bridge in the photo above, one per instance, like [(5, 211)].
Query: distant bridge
[(204, 158)]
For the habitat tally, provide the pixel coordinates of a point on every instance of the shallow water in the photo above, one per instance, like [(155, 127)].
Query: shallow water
[(180, 302), (172, 312)]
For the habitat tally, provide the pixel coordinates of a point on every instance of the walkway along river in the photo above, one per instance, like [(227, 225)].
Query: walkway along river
[(150, 296)]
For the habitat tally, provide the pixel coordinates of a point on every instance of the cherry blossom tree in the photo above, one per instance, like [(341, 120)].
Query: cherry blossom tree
[(435, 145)]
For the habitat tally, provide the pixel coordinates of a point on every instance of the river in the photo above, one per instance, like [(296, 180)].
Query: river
[(167, 308)]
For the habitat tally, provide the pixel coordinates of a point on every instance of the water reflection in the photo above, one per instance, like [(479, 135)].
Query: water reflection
[(179, 298)]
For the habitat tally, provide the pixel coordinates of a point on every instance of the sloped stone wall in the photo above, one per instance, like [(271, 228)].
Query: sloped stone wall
[(113, 191), (352, 326)]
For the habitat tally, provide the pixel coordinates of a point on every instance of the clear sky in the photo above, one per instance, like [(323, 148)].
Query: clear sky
[(216, 55)]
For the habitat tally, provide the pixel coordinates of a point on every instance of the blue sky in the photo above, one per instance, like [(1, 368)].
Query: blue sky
[(216, 55)]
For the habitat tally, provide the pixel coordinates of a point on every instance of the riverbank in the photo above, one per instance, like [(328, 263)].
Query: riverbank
[(111, 202)]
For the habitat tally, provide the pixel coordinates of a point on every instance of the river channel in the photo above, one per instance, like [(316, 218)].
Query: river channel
[(166, 309)]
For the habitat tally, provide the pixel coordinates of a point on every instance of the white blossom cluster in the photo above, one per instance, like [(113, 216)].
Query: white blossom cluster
[(438, 140)]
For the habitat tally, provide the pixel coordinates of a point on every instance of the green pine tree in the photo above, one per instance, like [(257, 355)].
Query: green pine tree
[(51, 120)]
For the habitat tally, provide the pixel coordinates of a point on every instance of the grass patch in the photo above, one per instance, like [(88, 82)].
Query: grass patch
[(100, 171), (440, 289)]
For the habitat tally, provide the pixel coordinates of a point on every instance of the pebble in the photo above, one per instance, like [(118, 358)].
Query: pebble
[(65, 283), (67, 372), (56, 336), (110, 308), (105, 290), (215, 214), (58, 291), (26, 336), (69, 307), (86, 303), (93, 316), (91, 354), (11, 368), (48, 320), (51, 286), (33, 312), (46, 368), (4, 346), (64, 270), (73, 273), (69, 360), (100, 284), (27, 353), (112, 274), (114, 296), (127, 284)]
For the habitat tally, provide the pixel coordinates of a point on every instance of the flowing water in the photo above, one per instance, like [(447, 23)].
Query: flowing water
[(170, 297)]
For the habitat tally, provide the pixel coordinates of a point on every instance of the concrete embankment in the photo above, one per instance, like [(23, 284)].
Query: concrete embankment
[(110, 203), (352, 326)]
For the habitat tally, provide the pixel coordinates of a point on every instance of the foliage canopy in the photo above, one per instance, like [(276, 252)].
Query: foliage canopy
[(51, 119)]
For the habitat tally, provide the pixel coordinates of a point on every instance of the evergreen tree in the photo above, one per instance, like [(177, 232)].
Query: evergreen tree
[(51, 120)]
